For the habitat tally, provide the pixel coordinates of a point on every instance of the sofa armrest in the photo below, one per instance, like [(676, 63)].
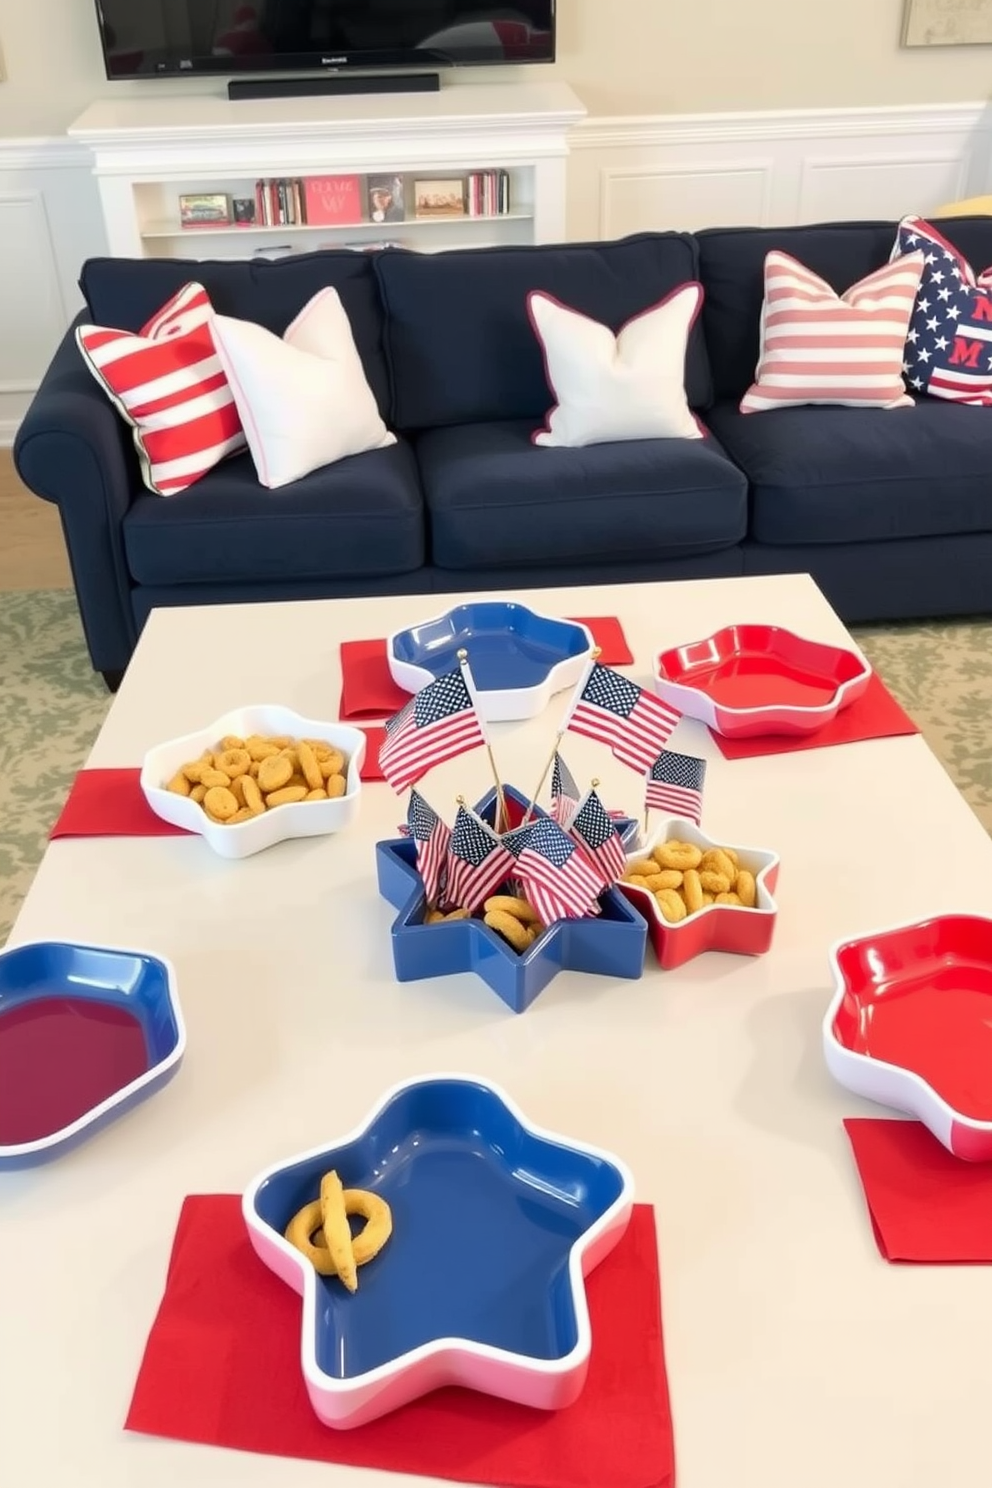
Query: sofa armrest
[(74, 449)]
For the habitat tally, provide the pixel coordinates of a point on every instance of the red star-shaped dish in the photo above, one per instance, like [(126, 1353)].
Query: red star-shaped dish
[(715, 927)]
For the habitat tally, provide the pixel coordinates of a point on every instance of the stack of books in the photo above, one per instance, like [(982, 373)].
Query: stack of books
[(488, 193)]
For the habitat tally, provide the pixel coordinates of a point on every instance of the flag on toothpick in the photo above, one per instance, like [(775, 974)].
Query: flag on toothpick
[(477, 861), (675, 784), (432, 837), (437, 724), (633, 723), (557, 878), (564, 793), (598, 838)]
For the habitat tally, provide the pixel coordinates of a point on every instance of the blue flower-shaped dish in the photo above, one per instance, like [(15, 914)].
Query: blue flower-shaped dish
[(518, 659), (496, 1223), (86, 1032), (612, 944)]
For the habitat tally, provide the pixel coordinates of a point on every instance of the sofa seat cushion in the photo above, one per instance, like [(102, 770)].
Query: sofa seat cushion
[(496, 500), (361, 516), (837, 475)]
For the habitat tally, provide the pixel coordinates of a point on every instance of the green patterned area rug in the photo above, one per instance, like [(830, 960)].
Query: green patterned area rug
[(53, 706)]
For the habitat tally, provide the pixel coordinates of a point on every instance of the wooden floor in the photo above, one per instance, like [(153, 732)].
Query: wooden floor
[(32, 550)]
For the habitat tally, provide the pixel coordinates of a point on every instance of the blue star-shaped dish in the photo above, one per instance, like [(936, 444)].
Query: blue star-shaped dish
[(612, 944), (496, 1223), (519, 659)]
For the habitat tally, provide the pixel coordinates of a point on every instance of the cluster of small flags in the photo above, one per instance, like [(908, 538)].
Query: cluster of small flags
[(562, 862)]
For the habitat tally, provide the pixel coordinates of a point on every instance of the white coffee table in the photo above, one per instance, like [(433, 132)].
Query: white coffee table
[(797, 1357)]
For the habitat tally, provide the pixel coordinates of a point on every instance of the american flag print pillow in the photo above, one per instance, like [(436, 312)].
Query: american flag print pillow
[(818, 346), (949, 343), (166, 382)]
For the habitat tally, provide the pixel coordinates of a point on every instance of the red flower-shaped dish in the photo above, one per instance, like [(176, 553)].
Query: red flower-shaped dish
[(715, 927), (910, 1026), (760, 679)]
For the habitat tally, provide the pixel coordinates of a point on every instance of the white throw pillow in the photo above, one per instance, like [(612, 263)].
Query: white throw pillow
[(628, 386), (304, 399)]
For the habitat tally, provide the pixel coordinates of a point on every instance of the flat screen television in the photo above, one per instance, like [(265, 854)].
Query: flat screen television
[(183, 38)]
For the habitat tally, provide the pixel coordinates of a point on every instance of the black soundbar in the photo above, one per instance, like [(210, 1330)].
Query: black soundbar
[(340, 83)]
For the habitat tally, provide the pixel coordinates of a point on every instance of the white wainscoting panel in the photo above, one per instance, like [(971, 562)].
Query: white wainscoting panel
[(879, 186), (632, 193), (50, 222), (687, 172)]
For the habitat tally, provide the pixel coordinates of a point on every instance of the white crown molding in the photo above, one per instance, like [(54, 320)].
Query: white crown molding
[(654, 130), (46, 153), (623, 132)]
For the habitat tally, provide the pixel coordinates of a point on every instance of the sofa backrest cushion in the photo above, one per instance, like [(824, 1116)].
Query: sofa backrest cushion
[(459, 342), (126, 292), (731, 264)]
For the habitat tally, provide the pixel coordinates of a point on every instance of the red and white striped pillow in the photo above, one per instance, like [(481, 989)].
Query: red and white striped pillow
[(169, 385), (821, 347)]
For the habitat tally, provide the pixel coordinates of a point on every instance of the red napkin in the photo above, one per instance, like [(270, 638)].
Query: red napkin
[(607, 634), (368, 690), (110, 803), (925, 1204), (876, 715), (222, 1367), (370, 768)]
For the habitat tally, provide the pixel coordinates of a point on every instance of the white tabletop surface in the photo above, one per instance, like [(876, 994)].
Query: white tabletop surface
[(797, 1357)]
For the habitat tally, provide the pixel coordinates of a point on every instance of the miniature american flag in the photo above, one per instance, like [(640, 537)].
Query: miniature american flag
[(432, 837), (436, 725), (675, 784), (477, 861), (557, 878), (564, 793), (598, 838), (633, 723)]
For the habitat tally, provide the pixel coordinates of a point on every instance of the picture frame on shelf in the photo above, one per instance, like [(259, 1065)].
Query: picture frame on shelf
[(204, 209), (386, 198), (439, 198), (243, 211), (947, 23)]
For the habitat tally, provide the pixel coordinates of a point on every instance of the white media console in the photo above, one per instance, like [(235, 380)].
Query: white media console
[(148, 152)]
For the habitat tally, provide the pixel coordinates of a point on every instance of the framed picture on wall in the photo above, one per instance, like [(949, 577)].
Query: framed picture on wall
[(933, 23)]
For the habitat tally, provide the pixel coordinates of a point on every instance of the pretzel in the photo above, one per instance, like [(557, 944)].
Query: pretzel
[(321, 1232)]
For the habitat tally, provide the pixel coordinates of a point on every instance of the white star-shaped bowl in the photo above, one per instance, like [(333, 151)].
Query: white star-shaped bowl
[(496, 1224), (300, 819), (715, 927)]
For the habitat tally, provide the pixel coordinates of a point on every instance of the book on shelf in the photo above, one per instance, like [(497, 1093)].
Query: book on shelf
[(332, 201), (488, 193)]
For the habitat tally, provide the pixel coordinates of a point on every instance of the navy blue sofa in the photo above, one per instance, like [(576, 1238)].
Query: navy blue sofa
[(891, 512)]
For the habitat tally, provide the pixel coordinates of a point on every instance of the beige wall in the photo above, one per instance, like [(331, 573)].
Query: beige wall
[(622, 57)]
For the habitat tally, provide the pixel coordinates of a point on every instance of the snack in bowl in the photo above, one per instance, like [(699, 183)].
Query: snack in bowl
[(243, 778), (321, 1232), (286, 752), (516, 921), (736, 883), (704, 878)]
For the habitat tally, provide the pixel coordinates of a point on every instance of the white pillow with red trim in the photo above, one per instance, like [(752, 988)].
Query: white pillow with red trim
[(167, 383), (616, 387), (304, 400)]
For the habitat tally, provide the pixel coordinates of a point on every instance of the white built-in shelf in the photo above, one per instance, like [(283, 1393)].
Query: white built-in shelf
[(377, 229), (149, 151)]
